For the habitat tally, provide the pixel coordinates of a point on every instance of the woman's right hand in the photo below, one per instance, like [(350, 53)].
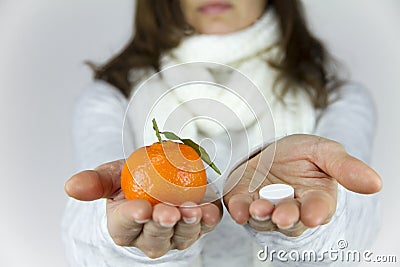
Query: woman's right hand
[(153, 230)]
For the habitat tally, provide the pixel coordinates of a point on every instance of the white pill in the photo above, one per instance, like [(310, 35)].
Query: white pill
[(276, 192)]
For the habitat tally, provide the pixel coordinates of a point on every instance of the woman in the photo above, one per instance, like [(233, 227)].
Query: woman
[(269, 42)]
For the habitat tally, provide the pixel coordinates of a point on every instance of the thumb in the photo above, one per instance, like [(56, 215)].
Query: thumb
[(349, 171), (102, 182)]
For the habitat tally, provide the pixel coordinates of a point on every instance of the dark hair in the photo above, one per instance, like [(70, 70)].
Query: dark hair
[(160, 25)]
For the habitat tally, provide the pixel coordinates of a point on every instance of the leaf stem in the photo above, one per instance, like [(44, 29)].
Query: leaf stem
[(155, 127)]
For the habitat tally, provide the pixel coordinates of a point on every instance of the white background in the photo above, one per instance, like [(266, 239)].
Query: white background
[(42, 46)]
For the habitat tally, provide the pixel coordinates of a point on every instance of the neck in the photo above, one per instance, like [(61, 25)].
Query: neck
[(232, 47)]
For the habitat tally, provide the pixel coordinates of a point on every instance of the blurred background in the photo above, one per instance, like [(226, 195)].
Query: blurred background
[(43, 44)]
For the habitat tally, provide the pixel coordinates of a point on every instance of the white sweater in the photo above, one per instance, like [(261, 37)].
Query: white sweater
[(97, 124)]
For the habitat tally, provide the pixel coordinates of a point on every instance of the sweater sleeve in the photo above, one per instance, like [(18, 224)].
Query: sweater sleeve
[(350, 120), (97, 132)]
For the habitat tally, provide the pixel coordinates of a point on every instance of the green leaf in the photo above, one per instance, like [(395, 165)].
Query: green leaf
[(202, 153), (170, 136), (204, 156), (199, 150)]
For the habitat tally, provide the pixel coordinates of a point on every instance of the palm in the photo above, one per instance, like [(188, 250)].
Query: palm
[(313, 166), (302, 175)]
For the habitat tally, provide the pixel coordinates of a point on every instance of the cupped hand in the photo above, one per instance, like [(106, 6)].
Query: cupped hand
[(154, 230), (313, 166)]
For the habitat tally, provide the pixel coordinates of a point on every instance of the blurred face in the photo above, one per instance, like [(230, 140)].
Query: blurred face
[(221, 16)]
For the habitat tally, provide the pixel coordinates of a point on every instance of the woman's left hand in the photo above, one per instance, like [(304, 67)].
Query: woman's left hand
[(313, 166)]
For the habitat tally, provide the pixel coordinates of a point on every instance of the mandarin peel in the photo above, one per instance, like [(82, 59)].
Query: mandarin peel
[(166, 171)]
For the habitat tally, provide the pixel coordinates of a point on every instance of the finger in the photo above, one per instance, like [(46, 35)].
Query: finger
[(350, 172), (166, 215), (191, 213), (154, 240), (103, 182), (261, 209), (265, 224), (262, 226), (187, 231), (286, 213), (185, 234), (238, 207), (211, 215), (317, 208), (237, 197), (296, 230), (125, 220)]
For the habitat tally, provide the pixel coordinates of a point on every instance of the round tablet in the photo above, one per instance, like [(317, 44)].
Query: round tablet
[(276, 192)]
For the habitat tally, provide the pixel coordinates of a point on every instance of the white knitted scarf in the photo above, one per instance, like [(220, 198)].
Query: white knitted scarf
[(247, 51)]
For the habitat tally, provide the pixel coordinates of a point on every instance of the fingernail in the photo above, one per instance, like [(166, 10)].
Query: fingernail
[(192, 220), (285, 227), (261, 219), (67, 186), (142, 221), (166, 225), (206, 227)]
